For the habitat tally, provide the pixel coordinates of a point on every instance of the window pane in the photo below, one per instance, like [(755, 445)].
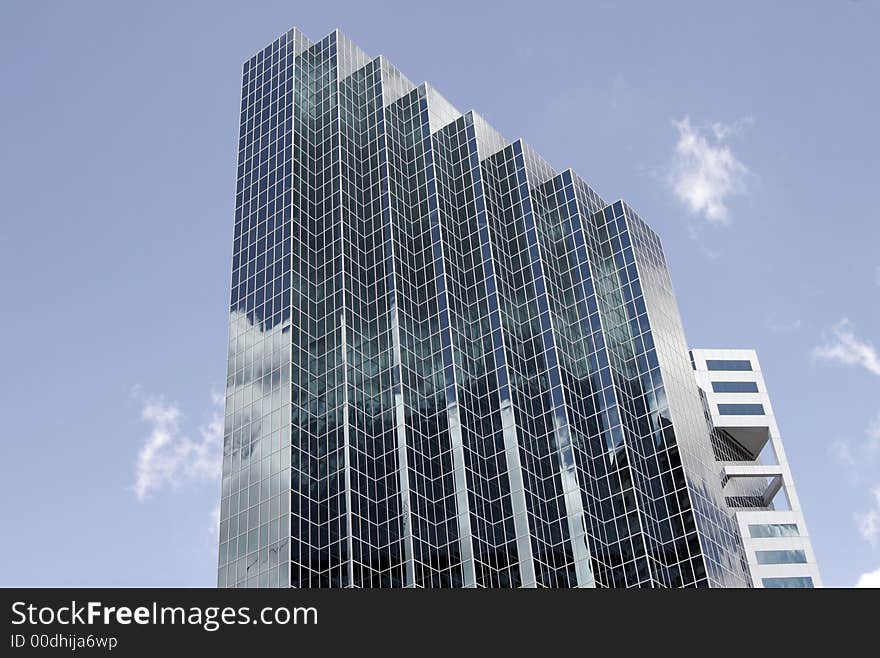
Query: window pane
[(728, 364), (781, 557), (741, 409), (735, 387), (802, 582), (760, 530)]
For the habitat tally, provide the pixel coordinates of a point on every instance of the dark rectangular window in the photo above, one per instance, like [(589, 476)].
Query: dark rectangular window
[(735, 387), (781, 557), (741, 409), (728, 364), (761, 530), (803, 582)]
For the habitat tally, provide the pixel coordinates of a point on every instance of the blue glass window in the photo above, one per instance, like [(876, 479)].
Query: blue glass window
[(761, 530), (803, 582), (735, 387), (781, 557), (741, 409), (728, 364)]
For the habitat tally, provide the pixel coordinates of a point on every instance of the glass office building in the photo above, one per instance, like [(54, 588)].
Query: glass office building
[(449, 364)]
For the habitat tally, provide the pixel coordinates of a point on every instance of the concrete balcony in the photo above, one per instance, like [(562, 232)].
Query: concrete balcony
[(751, 432), (771, 474)]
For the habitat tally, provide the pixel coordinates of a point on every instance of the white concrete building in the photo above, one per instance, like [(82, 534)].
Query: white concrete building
[(758, 484)]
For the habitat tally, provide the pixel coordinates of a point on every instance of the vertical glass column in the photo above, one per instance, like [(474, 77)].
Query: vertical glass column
[(718, 545), (320, 537), (480, 379), (377, 527), (438, 559), (254, 507), (535, 395)]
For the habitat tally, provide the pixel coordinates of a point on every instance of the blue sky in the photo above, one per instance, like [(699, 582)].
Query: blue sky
[(746, 137)]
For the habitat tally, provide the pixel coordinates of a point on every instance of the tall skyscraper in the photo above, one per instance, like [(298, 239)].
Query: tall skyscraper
[(453, 366)]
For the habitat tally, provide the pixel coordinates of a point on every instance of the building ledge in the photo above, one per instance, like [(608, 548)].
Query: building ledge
[(772, 473)]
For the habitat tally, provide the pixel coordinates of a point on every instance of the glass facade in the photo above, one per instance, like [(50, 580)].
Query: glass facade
[(449, 364)]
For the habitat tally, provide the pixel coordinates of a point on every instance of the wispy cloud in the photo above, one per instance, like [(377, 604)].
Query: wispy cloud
[(869, 522), (846, 347), (214, 525), (869, 579), (704, 172), (169, 457), (873, 433), (842, 451), (859, 457), (780, 325)]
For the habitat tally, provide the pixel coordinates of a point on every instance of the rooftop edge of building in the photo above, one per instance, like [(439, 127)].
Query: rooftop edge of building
[(441, 111)]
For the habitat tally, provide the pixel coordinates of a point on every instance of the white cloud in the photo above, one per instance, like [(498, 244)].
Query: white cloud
[(869, 579), (859, 460), (873, 432), (780, 325), (849, 349), (704, 171), (843, 452), (169, 457), (869, 522), (214, 525), (859, 457)]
